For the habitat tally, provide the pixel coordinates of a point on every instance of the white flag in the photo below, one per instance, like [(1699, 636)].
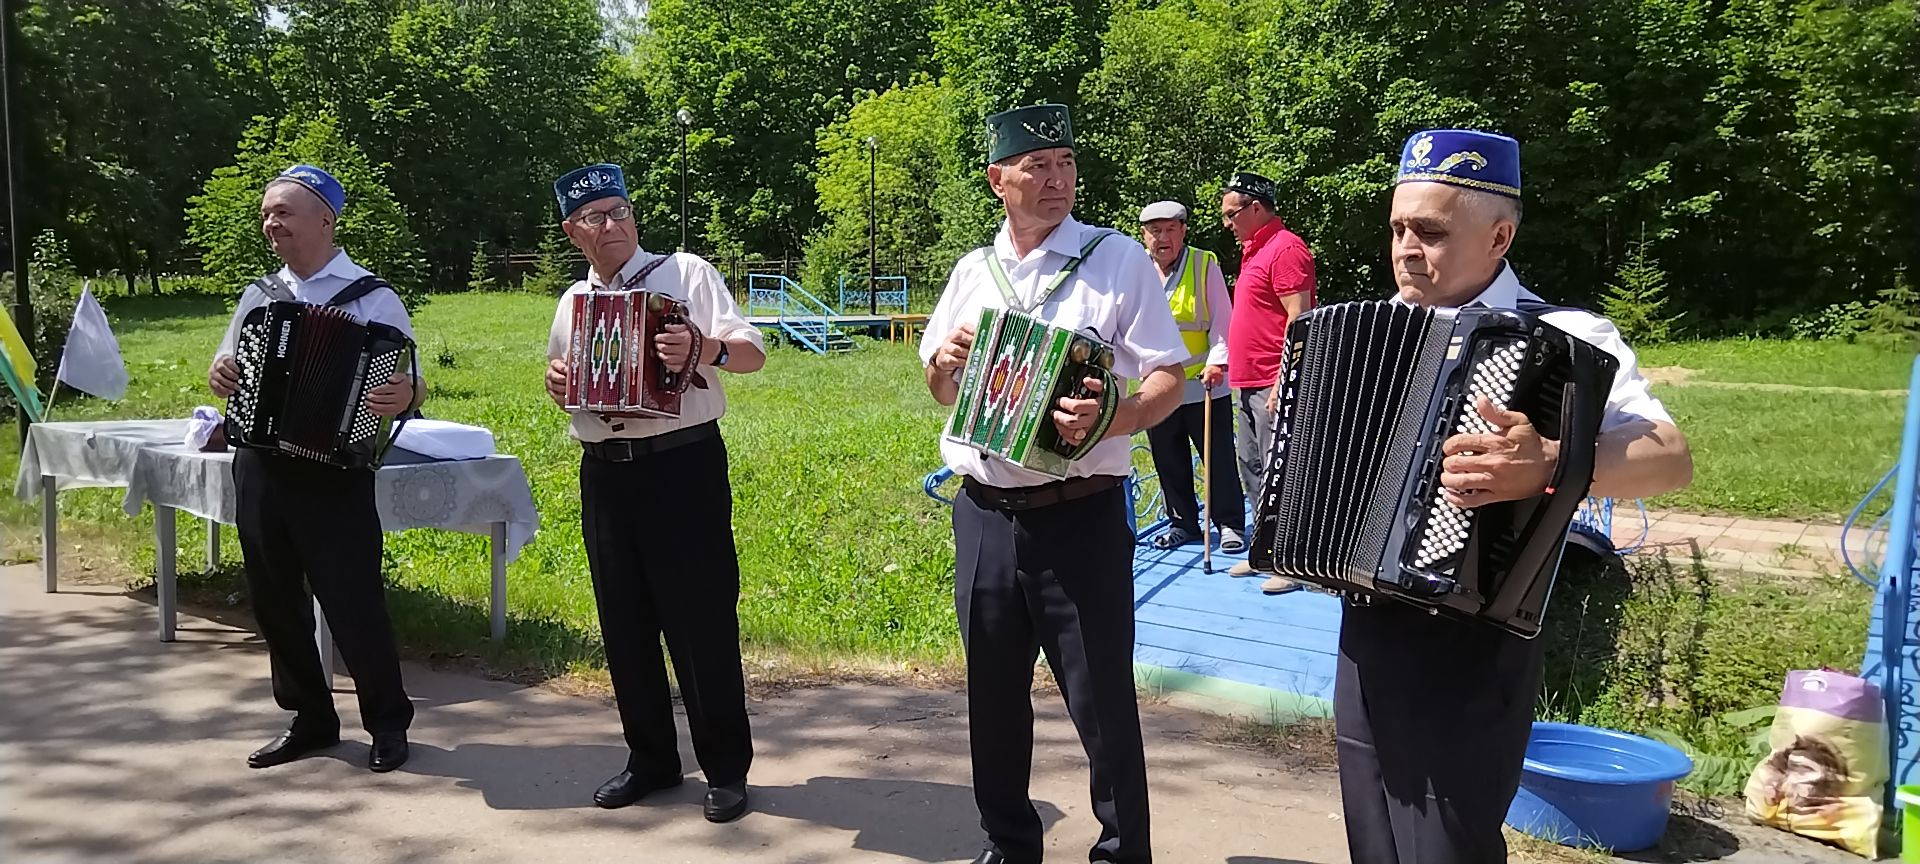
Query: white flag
[(91, 362)]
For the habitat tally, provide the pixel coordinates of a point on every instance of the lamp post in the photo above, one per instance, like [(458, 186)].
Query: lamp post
[(17, 233), (873, 285), (684, 119)]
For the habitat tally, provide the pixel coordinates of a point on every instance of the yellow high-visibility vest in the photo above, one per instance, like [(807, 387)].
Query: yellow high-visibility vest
[(1189, 304)]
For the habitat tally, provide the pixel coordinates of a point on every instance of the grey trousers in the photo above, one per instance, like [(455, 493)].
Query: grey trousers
[(1252, 438)]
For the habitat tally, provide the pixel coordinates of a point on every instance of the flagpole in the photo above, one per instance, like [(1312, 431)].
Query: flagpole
[(17, 235)]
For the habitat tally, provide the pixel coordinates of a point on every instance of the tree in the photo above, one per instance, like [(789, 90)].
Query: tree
[(479, 277), (133, 103), (223, 220), (1636, 300)]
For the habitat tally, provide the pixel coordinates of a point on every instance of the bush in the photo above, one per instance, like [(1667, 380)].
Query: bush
[(1636, 301), (1669, 649), (1840, 321), (554, 272), (224, 219), (479, 277)]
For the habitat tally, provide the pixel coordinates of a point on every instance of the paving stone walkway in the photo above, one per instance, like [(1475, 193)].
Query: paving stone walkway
[(1772, 546)]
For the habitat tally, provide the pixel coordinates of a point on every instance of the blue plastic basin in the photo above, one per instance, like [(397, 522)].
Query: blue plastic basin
[(1584, 786)]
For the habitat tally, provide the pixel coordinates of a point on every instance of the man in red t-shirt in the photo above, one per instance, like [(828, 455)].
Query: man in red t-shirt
[(1275, 285)]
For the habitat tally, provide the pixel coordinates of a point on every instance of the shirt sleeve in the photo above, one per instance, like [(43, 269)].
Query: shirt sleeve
[(230, 342), (1292, 272), (386, 308), (1631, 398), (1220, 308), (713, 307), (941, 321), (562, 322), (1149, 337)]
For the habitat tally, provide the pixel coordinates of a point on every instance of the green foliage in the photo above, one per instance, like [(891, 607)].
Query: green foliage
[(224, 219), (481, 277), (1894, 319), (1841, 322), (1668, 648), (554, 271), (1636, 301)]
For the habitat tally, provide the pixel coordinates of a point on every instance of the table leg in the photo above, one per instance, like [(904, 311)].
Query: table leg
[(213, 545), (50, 531), (324, 638), (165, 580), (497, 598)]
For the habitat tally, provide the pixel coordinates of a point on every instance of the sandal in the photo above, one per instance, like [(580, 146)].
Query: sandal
[(1173, 537), (1231, 542)]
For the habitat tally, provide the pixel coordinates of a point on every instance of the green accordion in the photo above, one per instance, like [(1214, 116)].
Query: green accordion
[(1019, 369)]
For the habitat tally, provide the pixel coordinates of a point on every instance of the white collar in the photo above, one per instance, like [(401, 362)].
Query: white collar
[(1503, 292), (1066, 238), (638, 259)]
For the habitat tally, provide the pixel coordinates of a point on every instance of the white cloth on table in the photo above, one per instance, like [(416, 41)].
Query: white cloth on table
[(441, 439), (149, 458)]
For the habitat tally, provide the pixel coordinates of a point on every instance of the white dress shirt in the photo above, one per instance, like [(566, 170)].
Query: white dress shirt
[(339, 272), (691, 280), (1115, 293), (1631, 398), (1220, 306)]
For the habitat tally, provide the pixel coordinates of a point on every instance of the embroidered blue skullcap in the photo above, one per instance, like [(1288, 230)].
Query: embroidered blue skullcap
[(1463, 157), (590, 183), (319, 183)]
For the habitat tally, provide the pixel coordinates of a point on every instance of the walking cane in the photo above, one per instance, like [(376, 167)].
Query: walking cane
[(1206, 480)]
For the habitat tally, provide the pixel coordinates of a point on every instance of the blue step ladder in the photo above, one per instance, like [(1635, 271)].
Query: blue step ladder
[(1892, 659), (804, 320)]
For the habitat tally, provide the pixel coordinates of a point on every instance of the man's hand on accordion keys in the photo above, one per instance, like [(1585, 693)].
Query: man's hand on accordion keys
[(224, 377), (1508, 464), (391, 398), (1075, 417), (951, 356), (673, 343), (557, 381)]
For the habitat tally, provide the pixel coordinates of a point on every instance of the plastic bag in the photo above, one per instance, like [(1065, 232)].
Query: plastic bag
[(1828, 762), (206, 431)]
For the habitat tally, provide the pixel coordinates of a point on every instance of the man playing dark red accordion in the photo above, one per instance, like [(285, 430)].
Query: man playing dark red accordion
[(657, 510)]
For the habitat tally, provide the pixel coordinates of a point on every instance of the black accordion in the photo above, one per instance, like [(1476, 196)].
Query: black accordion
[(1370, 392), (305, 372)]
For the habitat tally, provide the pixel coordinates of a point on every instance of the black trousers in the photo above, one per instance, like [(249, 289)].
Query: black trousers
[(1433, 716), (1057, 579), (306, 524), (1173, 462), (659, 534)]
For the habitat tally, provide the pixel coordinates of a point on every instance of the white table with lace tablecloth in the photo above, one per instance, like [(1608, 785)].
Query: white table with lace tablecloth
[(148, 458)]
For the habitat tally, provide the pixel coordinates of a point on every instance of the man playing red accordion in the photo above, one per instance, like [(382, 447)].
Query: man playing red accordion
[(657, 510)]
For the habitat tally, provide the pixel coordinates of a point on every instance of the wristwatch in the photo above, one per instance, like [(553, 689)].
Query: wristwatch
[(720, 359)]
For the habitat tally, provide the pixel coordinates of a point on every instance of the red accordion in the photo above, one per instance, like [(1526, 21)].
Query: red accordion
[(612, 366)]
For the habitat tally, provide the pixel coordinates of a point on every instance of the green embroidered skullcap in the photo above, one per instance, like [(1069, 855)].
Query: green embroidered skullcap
[(1024, 130)]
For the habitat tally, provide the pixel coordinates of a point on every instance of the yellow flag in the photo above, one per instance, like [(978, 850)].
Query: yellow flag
[(18, 356)]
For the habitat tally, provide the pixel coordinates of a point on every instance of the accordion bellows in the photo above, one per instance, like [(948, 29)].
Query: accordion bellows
[(305, 372), (1370, 392), (1019, 369), (612, 368)]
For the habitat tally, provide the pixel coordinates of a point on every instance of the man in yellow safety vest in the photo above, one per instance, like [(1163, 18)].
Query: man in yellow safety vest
[(1197, 294)]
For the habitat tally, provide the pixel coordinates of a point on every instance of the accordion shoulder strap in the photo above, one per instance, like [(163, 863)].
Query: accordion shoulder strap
[(1005, 285), (640, 277), (273, 286), (361, 287)]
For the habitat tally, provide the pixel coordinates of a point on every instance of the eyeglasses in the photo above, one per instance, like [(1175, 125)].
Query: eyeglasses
[(1230, 214), (597, 218)]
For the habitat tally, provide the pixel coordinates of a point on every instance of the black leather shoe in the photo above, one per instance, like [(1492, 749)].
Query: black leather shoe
[(627, 787), (290, 745), (726, 803), (389, 752)]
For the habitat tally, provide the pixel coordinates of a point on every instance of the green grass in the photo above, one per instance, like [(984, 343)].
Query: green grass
[(1774, 361), (843, 558), (841, 553), (1808, 455)]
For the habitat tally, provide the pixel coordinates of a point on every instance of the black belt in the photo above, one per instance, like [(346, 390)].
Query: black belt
[(629, 449), (1034, 497)]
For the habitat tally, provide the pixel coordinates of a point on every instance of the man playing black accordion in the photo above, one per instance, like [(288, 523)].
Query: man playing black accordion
[(306, 523), (656, 506), (1434, 711), (1043, 547)]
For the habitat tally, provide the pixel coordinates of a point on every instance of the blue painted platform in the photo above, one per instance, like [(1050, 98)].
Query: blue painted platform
[(1219, 636)]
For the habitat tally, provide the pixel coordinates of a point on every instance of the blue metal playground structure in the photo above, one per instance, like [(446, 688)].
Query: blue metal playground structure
[(781, 306), (1220, 637)]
